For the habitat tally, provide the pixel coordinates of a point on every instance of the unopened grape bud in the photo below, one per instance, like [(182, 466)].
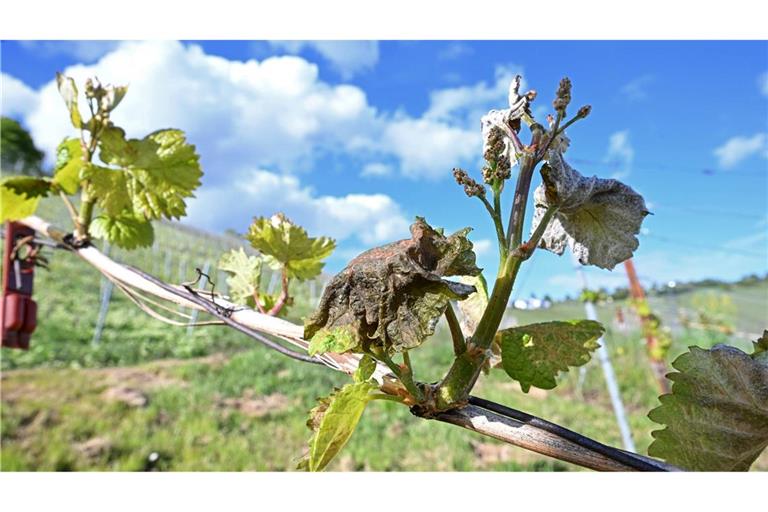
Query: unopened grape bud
[(584, 111)]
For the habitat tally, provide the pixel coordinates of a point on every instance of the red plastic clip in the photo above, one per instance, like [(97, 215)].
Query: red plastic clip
[(18, 312)]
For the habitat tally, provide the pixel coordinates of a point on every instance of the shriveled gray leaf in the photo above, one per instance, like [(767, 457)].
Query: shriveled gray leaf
[(392, 296), (716, 416), (597, 218)]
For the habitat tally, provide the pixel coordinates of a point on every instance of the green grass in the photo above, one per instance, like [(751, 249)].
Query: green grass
[(57, 414)]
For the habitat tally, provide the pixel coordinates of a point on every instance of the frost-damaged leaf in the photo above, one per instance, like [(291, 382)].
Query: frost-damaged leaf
[(13, 205), (717, 414), (392, 296), (164, 170), (125, 230), (69, 162), (283, 243), (333, 422), (244, 274), (534, 354), (598, 218), (68, 91)]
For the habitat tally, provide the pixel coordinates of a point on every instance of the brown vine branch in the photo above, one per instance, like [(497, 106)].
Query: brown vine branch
[(488, 418)]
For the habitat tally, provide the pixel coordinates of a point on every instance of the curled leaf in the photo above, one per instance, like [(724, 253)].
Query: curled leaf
[(534, 354), (68, 91), (284, 243), (597, 218), (392, 296), (716, 416)]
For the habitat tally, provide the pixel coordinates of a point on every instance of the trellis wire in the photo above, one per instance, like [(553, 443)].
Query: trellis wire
[(610, 376)]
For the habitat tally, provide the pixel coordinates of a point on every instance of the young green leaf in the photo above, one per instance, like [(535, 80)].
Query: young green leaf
[(337, 339), (334, 421), (716, 417), (365, 369), (124, 230), (29, 187), (13, 205), (597, 218), (534, 354), (69, 163), (68, 91), (283, 243), (163, 170), (244, 274), (392, 296), (110, 188), (760, 347)]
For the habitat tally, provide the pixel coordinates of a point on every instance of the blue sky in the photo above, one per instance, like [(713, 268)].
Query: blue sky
[(353, 139)]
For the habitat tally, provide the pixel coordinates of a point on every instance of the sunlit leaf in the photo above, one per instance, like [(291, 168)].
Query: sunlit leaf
[(163, 170), (13, 205), (597, 218), (333, 422), (109, 187), (473, 307), (69, 163), (284, 243), (534, 354), (717, 414), (244, 274), (29, 187), (125, 231), (392, 296)]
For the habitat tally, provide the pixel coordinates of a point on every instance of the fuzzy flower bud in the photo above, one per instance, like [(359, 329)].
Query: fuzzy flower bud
[(471, 187), (563, 95), (584, 111)]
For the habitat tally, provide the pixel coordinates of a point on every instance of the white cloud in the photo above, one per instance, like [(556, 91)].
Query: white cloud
[(275, 113), (620, 154), (763, 83), (637, 89), (370, 218), (466, 104), (737, 149), (455, 50), (482, 246), (87, 51), (349, 58), (430, 148), (16, 99), (376, 169)]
